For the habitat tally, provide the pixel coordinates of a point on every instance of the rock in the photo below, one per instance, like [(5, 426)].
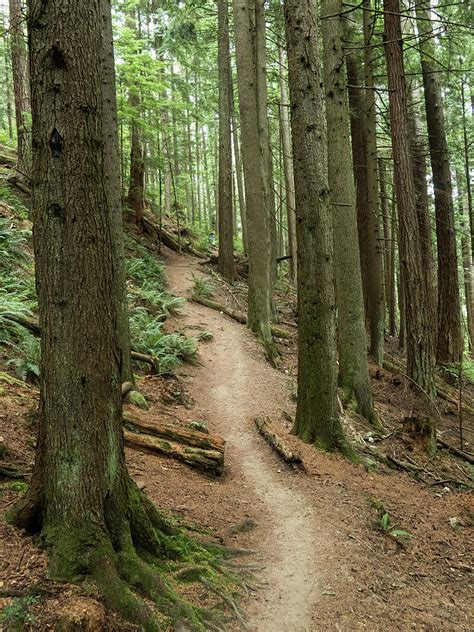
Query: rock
[(137, 399)]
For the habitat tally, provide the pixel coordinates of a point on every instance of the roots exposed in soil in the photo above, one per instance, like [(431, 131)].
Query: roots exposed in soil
[(126, 558)]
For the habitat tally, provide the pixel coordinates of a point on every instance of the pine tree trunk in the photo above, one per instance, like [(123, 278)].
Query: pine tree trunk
[(375, 289), (449, 339), (226, 243), (258, 233), (316, 416), (419, 333), (468, 270), (21, 86), (352, 340), (287, 166), (238, 173)]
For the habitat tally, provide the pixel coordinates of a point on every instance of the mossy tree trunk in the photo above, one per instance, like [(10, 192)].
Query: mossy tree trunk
[(317, 419), (352, 339), (226, 264), (417, 317), (258, 230), (92, 517), (21, 88)]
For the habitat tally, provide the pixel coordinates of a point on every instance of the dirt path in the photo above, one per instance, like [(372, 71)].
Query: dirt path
[(236, 384)]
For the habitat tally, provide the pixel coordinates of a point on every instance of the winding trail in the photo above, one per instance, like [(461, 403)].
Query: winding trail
[(236, 384)]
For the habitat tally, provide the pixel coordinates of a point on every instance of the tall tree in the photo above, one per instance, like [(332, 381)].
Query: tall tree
[(226, 264), (287, 166), (21, 88), (449, 336), (81, 498), (352, 340), (375, 288), (419, 335), (317, 417), (258, 232)]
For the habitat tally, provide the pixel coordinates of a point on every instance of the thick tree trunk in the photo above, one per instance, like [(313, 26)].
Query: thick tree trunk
[(468, 269), (226, 242), (238, 172), (375, 289), (81, 498), (449, 339), (288, 166), (21, 86), (419, 333), (317, 418), (352, 340), (259, 244)]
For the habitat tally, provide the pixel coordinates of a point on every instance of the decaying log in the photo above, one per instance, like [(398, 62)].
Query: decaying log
[(463, 455), (192, 438), (277, 443), (210, 461), (153, 229), (8, 157), (240, 317)]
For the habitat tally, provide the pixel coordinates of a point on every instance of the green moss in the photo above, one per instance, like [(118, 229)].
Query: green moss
[(137, 399)]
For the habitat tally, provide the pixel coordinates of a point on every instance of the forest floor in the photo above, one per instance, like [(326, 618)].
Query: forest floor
[(322, 560)]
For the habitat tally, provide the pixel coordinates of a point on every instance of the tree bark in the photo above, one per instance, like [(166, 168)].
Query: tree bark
[(375, 289), (352, 339), (288, 167), (258, 232), (238, 172), (21, 87), (468, 270), (449, 339), (419, 333), (317, 418), (226, 242)]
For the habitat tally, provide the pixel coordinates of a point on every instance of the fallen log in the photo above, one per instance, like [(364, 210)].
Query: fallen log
[(192, 438), (278, 444), (451, 448), (240, 317), (210, 461), (160, 234), (8, 156), (147, 359), (126, 388)]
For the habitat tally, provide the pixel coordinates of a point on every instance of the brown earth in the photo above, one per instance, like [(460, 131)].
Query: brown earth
[(321, 560)]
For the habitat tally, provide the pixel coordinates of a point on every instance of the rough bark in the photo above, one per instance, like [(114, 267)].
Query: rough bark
[(352, 339), (21, 88), (226, 242), (375, 289), (317, 418), (449, 339), (258, 233), (288, 167), (468, 270), (238, 172), (81, 498), (417, 313)]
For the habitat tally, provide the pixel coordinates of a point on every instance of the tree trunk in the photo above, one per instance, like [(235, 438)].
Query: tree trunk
[(317, 418), (257, 16), (419, 334), (21, 86), (467, 168), (375, 289), (238, 172), (468, 270), (287, 166), (226, 243), (359, 161), (81, 498), (352, 340), (449, 339), (258, 233)]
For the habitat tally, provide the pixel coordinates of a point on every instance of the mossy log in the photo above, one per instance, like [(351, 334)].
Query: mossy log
[(210, 461), (192, 438), (460, 453), (277, 443), (8, 156), (240, 317)]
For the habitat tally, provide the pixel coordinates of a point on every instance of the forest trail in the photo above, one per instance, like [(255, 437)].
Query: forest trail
[(235, 384)]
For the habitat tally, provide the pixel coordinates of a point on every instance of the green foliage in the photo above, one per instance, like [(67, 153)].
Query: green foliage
[(145, 270), (14, 202), (148, 337), (205, 336), (17, 612), (203, 287), (385, 525)]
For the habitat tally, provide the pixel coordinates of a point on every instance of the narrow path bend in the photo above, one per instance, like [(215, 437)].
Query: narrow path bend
[(234, 385)]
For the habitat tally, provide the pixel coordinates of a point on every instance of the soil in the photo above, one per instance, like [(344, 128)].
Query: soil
[(319, 555)]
